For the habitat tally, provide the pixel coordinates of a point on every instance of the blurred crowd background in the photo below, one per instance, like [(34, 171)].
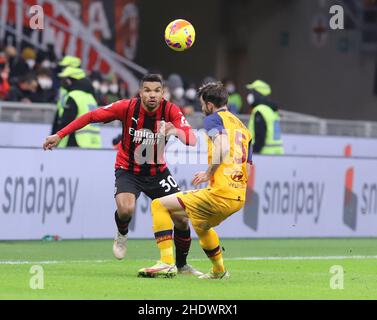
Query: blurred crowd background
[(31, 76), (312, 69)]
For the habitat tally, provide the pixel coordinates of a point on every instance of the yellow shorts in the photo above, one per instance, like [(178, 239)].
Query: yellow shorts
[(206, 209)]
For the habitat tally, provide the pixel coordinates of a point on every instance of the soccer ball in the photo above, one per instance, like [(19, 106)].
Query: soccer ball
[(180, 35)]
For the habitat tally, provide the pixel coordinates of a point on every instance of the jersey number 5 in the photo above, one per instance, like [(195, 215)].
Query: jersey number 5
[(240, 137)]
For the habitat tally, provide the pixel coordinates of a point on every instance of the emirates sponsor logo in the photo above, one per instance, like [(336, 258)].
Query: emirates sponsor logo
[(145, 136)]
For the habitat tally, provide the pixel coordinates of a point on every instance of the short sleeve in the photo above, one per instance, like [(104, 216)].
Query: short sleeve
[(213, 124), (177, 118)]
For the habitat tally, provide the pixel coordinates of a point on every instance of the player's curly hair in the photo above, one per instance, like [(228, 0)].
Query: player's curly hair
[(214, 92)]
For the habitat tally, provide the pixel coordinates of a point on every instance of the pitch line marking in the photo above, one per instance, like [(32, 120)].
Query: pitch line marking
[(303, 258), (20, 262)]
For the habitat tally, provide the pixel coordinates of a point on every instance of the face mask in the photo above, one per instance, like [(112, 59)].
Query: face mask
[(179, 93), (250, 99), (104, 88), (231, 88), (96, 85), (114, 88), (45, 83), (46, 64), (191, 94), (30, 63)]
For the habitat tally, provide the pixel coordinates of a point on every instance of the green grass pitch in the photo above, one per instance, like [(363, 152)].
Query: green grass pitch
[(260, 269)]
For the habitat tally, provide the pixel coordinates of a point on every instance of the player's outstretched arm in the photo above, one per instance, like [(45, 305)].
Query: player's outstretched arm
[(108, 113)]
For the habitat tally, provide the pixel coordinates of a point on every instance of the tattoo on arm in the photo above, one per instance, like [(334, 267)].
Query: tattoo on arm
[(212, 169)]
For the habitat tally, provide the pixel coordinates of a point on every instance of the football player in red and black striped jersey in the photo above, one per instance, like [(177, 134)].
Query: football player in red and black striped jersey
[(148, 121)]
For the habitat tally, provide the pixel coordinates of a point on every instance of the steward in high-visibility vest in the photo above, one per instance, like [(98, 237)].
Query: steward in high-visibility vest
[(264, 123), (67, 61), (80, 100)]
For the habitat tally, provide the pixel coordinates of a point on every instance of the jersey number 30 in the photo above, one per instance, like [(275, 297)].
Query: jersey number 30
[(168, 183)]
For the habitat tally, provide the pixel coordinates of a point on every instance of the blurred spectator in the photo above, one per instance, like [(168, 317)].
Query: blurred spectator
[(11, 56), (67, 61), (10, 52), (264, 123), (45, 92), (108, 88), (192, 98), (167, 94), (4, 74), (24, 64), (175, 85), (30, 57), (208, 79), (96, 79), (235, 99), (177, 92), (47, 59), (113, 89), (23, 89), (44, 62), (124, 92), (103, 89)]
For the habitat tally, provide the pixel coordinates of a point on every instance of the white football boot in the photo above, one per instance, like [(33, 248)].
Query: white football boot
[(119, 246), (216, 275), (160, 269), (189, 270)]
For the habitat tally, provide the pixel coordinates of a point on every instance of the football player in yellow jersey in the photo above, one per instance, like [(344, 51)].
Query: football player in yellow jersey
[(229, 158)]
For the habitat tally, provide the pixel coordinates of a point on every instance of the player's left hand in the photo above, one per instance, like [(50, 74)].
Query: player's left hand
[(200, 177)]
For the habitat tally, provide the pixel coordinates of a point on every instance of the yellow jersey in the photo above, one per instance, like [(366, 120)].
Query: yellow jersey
[(230, 178)]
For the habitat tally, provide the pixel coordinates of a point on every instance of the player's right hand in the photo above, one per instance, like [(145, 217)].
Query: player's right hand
[(200, 177), (51, 142)]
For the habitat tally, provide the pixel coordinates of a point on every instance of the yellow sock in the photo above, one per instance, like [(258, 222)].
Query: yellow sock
[(163, 231), (210, 243)]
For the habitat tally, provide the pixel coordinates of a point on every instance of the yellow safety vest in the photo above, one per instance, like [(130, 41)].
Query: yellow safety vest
[(62, 99), (273, 143), (89, 136)]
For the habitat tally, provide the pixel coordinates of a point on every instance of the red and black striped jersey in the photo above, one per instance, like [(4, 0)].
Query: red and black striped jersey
[(142, 148)]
